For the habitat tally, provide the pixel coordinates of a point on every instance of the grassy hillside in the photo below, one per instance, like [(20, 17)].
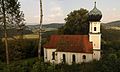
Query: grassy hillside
[(54, 26), (112, 25), (47, 27)]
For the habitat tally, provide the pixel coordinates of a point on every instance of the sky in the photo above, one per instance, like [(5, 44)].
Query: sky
[(54, 11)]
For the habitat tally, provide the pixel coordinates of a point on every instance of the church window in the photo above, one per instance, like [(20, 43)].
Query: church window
[(53, 55), (73, 58), (84, 57), (94, 28), (46, 54), (64, 58)]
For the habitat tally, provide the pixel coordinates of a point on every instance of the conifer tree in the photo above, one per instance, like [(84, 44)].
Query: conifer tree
[(10, 17)]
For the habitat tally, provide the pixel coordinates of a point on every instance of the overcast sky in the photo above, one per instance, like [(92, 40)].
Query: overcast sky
[(56, 10)]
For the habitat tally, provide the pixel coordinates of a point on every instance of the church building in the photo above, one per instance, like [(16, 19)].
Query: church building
[(76, 48)]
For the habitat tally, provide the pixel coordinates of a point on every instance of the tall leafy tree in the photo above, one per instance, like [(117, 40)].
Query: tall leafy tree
[(76, 22), (10, 17)]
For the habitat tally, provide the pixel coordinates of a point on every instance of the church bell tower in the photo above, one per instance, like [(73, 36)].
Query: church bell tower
[(95, 16)]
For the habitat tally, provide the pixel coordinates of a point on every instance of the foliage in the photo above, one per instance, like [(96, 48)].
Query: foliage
[(26, 49), (10, 17), (18, 66), (108, 64), (14, 17), (110, 61), (76, 23), (22, 49)]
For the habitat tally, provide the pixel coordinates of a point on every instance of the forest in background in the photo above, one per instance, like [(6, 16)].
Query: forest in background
[(23, 51), (25, 59)]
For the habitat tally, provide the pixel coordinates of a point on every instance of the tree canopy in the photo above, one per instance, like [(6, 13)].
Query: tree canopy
[(76, 22), (14, 17)]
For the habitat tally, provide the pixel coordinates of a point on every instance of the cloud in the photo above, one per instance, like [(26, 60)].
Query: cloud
[(114, 9), (55, 13), (52, 13)]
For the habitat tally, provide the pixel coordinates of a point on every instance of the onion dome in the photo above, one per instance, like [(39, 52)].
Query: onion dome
[(95, 14)]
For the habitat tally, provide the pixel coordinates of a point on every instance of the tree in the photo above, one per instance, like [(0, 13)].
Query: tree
[(40, 30), (10, 17), (76, 22)]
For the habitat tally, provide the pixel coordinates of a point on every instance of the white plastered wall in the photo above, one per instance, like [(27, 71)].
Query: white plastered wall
[(48, 55), (78, 56), (96, 55), (95, 36), (96, 40)]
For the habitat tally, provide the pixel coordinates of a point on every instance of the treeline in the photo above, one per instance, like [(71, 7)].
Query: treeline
[(19, 49)]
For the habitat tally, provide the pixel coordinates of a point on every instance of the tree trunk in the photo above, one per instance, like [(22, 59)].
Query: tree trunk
[(40, 30), (5, 33)]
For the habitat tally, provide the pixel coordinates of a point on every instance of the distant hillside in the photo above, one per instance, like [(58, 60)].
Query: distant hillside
[(47, 27), (54, 26), (111, 31), (13, 32), (112, 25), (30, 29)]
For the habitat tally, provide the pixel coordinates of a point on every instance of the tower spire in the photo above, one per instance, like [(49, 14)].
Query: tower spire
[(95, 14), (95, 4)]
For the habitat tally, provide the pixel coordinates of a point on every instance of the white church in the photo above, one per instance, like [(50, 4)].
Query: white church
[(76, 48)]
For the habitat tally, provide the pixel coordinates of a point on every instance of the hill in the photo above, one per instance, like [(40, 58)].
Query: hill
[(47, 27), (31, 29), (111, 31), (52, 25), (112, 25)]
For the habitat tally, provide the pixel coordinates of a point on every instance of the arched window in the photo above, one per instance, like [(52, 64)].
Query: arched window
[(94, 28), (73, 58), (84, 57), (64, 58), (53, 55)]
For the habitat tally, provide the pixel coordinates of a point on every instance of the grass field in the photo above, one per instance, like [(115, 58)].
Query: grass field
[(28, 36)]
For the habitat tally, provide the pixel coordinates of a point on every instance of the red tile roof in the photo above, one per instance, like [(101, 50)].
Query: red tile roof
[(70, 43)]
